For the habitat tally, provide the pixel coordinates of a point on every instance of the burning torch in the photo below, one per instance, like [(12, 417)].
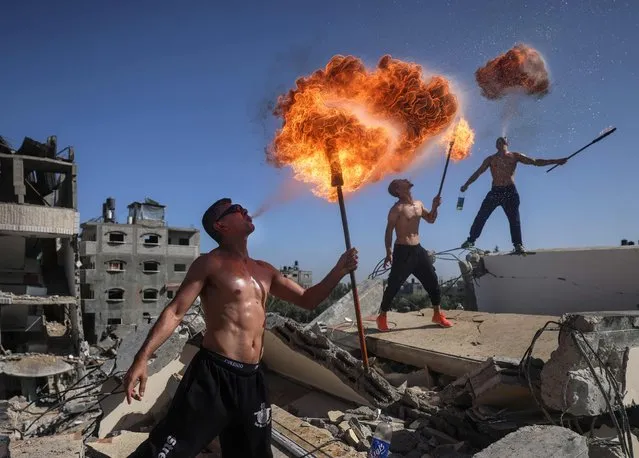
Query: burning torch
[(441, 184), (337, 181)]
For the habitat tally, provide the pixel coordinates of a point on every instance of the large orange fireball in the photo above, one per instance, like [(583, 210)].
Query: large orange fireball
[(521, 68), (373, 121)]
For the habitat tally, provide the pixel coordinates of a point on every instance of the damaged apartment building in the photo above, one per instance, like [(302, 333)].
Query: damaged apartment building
[(38, 237), (130, 271)]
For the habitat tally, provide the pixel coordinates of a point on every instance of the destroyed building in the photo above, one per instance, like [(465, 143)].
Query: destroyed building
[(39, 311), (304, 278), (131, 270)]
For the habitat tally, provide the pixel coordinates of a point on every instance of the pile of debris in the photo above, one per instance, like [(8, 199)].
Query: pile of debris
[(502, 407)]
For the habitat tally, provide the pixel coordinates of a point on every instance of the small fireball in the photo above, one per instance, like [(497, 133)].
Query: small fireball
[(462, 138)]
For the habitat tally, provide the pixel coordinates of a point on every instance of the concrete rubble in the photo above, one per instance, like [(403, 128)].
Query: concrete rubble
[(320, 349), (536, 441), (579, 382), (62, 445), (489, 411)]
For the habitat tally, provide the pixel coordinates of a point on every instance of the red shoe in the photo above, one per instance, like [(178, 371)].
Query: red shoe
[(440, 319), (382, 323)]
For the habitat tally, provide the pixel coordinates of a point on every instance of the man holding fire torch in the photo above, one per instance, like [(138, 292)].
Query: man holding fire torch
[(408, 256), (503, 193), (223, 392)]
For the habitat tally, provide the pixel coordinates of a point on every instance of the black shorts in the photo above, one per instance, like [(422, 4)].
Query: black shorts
[(216, 397)]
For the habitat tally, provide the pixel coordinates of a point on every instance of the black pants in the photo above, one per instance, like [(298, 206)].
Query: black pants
[(407, 260), (505, 197), (217, 397)]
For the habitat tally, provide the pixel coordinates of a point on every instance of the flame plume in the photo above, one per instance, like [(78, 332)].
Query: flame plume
[(463, 139), (521, 68), (375, 121)]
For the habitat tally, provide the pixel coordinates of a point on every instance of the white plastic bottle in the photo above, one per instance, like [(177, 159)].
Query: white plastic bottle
[(380, 445)]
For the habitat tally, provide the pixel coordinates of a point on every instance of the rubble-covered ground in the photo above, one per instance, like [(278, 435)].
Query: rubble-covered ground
[(492, 411)]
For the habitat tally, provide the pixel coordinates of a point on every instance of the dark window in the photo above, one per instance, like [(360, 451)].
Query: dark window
[(170, 293), (115, 294), (151, 239), (151, 266), (150, 294), (184, 242), (179, 267), (114, 321), (116, 237), (86, 291)]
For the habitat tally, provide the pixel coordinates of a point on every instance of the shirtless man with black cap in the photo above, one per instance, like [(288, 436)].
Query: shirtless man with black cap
[(223, 392), (503, 193)]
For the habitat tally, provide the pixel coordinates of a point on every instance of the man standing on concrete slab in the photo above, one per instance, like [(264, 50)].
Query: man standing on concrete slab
[(408, 256), (223, 392), (503, 193)]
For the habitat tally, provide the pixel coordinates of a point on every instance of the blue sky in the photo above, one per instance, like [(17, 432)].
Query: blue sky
[(169, 100)]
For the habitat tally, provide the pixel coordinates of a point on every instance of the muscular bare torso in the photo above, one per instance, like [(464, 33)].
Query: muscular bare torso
[(502, 168), (407, 223), (234, 302)]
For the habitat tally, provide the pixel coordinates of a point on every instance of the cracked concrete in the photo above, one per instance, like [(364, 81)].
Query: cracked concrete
[(569, 384), (371, 386), (536, 441)]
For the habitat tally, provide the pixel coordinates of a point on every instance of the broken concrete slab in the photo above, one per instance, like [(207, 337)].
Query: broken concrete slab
[(536, 441), (34, 365), (497, 383), (608, 444), (570, 379), (160, 387), (132, 342), (370, 297), (314, 360), (567, 280), (122, 444), (309, 437), (67, 445), (454, 351)]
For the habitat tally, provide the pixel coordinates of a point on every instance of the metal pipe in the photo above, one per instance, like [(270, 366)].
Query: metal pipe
[(289, 445)]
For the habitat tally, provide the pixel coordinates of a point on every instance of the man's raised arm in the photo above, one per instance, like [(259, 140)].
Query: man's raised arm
[(538, 162), (482, 168), (289, 291), (431, 216), (166, 323)]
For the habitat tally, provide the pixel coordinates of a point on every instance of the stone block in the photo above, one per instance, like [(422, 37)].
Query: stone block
[(569, 384), (537, 441)]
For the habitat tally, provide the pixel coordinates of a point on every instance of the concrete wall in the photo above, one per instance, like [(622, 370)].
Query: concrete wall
[(133, 279), (38, 220), (553, 282), (12, 249)]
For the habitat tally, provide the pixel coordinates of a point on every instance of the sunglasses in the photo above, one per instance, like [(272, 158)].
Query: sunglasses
[(235, 208)]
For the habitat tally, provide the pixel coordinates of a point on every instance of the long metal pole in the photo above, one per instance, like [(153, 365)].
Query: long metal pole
[(603, 135), (441, 184), (337, 181), (358, 312)]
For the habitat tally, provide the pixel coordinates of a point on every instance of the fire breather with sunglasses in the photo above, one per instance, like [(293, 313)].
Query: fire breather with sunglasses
[(223, 392)]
